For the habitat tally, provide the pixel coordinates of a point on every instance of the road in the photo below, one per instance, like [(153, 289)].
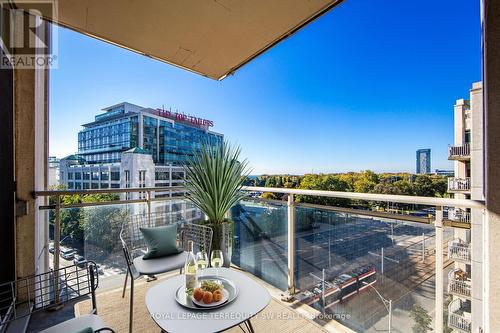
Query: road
[(339, 244)]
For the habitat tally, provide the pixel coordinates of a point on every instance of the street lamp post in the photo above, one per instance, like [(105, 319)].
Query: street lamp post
[(387, 303), (324, 284)]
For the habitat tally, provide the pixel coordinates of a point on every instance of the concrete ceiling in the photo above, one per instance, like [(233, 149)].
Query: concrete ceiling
[(213, 38)]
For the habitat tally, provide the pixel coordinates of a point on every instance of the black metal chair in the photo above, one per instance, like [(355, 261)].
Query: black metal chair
[(134, 248), (23, 297)]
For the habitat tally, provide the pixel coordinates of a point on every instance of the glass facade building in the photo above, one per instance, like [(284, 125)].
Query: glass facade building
[(424, 161), (168, 138)]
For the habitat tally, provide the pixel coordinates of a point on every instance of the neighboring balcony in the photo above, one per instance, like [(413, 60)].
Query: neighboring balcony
[(459, 317), (459, 152), (460, 251), (458, 184), (456, 217), (459, 283)]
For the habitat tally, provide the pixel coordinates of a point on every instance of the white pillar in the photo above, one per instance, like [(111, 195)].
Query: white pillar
[(438, 225), (291, 243)]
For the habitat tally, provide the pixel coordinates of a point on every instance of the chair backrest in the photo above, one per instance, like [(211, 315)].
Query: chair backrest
[(133, 242), (130, 234), (200, 235), (24, 296)]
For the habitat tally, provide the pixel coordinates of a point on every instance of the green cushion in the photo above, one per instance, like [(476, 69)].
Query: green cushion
[(86, 330), (161, 241)]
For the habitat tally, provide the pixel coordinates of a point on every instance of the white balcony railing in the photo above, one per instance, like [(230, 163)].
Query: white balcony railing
[(458, 184), (458, 215), (459, 283), (459, 250), (459, 316), (459, 152)]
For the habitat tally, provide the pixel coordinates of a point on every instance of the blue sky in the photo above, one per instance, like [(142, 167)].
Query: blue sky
[(360, 88)]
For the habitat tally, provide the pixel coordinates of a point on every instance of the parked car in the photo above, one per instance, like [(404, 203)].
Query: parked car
[(66, 253), (51, 248), (100, 271), (79, 261)]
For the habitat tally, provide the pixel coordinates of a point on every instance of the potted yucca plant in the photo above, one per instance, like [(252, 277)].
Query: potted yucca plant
[(214, 178)]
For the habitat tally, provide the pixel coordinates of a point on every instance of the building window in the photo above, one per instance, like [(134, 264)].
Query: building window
[(127, 183), (95, 185), (467, 137), (70, 186), (104, 175), (115, 185), (142, 178), (104, 185), (86, 186), (177, 175), (127, 179), (86, 175), (78, 186), (78, 175), (162, 175), (70, 175), (142, 182), (95, 175), (115, 175)]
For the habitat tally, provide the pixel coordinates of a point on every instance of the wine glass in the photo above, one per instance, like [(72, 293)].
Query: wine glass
[(201, 260), (217, 260)]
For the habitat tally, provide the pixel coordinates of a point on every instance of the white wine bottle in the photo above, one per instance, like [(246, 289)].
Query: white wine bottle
[(190, 268)]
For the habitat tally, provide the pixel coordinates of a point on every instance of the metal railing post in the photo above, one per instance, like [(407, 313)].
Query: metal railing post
[(57, 249), (382, 261), (291, 244), (438, 225), (390, 315), (323, 290), (148, 203), (423, 247)]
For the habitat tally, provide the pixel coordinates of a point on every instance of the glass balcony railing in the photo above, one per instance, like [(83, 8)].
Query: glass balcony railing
[(459, 283), (459, 250), (260, 240), (89, 229), (459, 315), (345, 263)]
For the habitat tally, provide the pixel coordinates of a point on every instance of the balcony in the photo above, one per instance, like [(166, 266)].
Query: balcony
[(459, 316), (273, 238), (457, 218), (459, 152), (459, 251), (459, 185), (459, 283)]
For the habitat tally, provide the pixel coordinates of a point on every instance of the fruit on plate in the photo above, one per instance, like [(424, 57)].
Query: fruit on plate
[(217, 295), (207, 297), (198, 294), (209, 291)]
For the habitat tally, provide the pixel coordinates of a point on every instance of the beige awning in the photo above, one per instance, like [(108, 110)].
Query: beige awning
[(210, 37)]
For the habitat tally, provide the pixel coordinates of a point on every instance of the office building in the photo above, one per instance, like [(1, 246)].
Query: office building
[(169, 137), (424, 161), (131, 146)]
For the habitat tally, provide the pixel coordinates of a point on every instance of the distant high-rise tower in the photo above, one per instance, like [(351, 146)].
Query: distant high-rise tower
[(424, 161)]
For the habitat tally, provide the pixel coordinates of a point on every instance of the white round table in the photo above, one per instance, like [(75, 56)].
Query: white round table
[(172, 317)]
